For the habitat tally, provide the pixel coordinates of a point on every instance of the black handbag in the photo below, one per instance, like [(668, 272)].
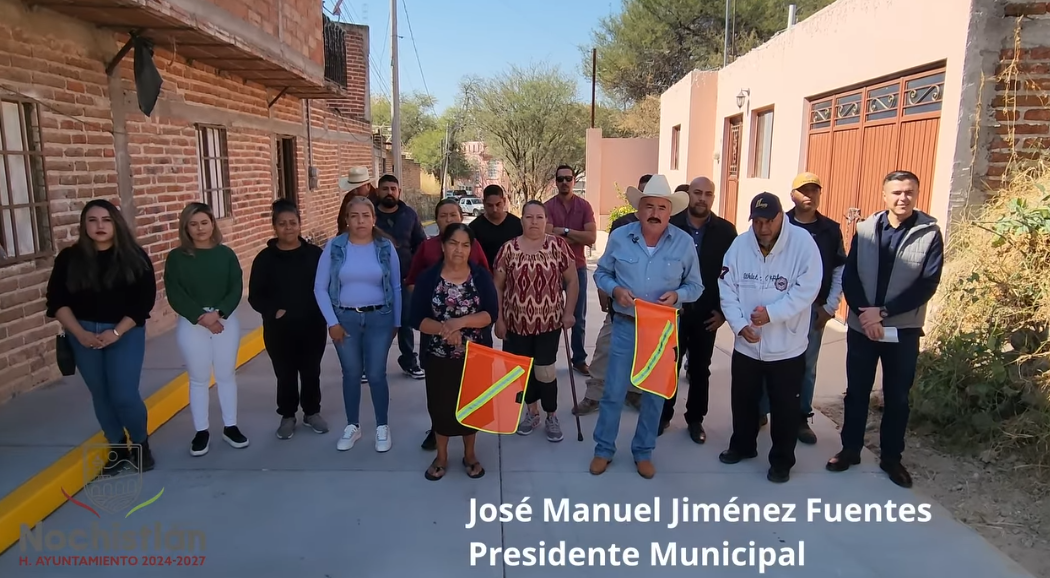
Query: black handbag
[(64, 355)]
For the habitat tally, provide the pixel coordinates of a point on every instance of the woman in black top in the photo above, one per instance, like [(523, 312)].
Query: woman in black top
[(281, 289), (102, 290)]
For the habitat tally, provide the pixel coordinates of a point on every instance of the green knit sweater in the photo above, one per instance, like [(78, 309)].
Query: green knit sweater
[(207, 279)]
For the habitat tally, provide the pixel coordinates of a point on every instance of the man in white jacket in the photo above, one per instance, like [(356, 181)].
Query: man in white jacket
[(770, 277)]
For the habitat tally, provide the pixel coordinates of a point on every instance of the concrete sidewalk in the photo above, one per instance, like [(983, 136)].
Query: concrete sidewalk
[(300, 508)]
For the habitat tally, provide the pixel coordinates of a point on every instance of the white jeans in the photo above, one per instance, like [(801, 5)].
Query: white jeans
[(202, 351)]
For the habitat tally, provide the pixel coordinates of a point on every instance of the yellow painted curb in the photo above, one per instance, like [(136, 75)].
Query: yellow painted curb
[(428, 223), (39, 497)]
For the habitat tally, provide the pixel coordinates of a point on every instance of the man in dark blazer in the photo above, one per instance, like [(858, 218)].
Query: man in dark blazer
[(700, 320)]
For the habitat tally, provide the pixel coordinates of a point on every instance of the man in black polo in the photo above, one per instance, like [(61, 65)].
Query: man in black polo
[(497, 225), (805, 194), (700, 320), (892, 272)]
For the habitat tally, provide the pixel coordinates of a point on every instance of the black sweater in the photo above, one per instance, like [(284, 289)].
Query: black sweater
[(109, 305), (285, 280)]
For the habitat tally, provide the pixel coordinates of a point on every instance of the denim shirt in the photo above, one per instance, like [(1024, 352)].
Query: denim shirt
[(673, 266), (383, 250)]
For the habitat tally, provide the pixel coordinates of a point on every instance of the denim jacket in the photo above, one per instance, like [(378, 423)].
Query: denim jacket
[(383, 251)]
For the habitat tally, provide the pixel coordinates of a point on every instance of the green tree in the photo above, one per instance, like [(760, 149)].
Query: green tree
[(417, 114), (531, 120), (651, 44)]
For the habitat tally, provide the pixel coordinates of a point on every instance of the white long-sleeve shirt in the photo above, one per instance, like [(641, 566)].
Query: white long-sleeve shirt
[(785, 282)]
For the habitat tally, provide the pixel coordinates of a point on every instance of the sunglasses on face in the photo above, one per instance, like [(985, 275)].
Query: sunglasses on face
[(564, 179)]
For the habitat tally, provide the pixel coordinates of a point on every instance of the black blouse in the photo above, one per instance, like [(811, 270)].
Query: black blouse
[(134, 300)]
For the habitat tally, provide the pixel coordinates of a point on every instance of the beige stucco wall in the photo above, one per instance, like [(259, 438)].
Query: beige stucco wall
[(690, 103), (612, 163), (849, 43)]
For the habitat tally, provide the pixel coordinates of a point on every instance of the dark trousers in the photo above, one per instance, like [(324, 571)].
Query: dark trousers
[(579, 329), (783, 380), (296, 349), (543, 349), (898, 374), (406, 339), (699, 343)]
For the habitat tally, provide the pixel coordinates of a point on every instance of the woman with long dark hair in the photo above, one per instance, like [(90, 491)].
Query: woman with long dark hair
[(358, 289), (454, 302), (204, 284), (102, 290), (281, 289)]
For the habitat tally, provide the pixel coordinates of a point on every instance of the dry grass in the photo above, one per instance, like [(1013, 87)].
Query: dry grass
[(984, 376)]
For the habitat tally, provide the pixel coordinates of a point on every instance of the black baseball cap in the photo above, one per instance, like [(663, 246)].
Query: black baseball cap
[(765, 206)]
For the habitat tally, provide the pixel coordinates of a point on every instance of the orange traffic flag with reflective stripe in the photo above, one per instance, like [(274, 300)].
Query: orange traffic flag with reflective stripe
[(492, 389), (655, 367)]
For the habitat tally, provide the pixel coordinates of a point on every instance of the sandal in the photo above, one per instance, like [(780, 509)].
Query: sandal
[(470, 467), (439, 472)]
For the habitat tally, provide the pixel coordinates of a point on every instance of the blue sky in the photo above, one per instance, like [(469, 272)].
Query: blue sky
[(457, 38)]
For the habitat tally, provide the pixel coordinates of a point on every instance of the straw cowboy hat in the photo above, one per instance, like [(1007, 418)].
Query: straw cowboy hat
[(355, 178), (658, 188)]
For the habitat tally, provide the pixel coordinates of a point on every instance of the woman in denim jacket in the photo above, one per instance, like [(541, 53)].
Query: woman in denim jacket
[(358, 288)]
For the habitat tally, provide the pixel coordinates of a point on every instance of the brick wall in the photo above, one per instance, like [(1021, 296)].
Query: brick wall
[(58, 64), (1021, 107), (297, 23)]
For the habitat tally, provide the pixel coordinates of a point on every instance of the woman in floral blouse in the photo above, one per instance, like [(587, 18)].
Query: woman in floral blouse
[(453, 302)]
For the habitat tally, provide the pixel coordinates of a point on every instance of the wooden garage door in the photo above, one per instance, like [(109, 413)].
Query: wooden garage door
[(859, 136)]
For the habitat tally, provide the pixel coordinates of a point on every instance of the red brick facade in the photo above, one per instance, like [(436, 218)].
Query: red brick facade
[(56, 66), (1022, 108)]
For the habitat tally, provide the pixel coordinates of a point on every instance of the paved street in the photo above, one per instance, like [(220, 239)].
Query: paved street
[(300, 508)]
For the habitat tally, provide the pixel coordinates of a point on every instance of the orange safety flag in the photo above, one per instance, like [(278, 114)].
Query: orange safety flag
[(655, 367), (492, 389)]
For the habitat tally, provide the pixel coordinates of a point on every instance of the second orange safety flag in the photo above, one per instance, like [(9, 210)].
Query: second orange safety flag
[(655, 367), (491, 389)]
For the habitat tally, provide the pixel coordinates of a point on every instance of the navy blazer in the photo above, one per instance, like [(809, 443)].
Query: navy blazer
[(422, 309)]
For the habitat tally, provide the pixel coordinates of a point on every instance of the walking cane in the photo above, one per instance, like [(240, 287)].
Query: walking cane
[(572, 385)]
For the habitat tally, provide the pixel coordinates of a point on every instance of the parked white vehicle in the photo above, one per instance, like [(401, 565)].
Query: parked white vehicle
[(472, 206)]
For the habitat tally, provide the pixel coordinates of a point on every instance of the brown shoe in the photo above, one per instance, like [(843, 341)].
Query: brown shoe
[(599, 465), (583, 368), (646, 469), (585, 407)]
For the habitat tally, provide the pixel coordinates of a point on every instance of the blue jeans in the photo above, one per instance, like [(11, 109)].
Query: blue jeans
[(579, 333), (406, 339), (617, 380), (112, 376), (809, 379), (364, 350)]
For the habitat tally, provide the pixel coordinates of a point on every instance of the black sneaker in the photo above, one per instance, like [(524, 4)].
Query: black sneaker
[(116, 460), (142, 457), (430, 443), (200, 444), (234, 437), (414, 372)]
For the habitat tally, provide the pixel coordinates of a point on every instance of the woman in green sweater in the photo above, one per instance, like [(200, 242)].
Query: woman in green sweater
[(204, 283)]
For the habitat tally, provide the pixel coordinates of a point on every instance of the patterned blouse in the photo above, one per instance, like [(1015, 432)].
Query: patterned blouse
[(533, 293), (451, 301)]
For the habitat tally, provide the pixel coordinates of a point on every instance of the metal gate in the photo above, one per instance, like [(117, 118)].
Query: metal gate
[(859, 136)]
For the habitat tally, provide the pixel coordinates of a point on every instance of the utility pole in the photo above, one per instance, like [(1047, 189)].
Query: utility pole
[(725, 49), (444, 160), (395, 97)]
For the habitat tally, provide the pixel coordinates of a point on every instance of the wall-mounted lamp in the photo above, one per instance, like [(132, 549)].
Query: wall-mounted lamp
[(742, 97)]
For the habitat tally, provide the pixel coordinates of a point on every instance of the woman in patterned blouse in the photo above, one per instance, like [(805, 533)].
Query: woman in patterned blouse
[(537, 284), (453, 302)]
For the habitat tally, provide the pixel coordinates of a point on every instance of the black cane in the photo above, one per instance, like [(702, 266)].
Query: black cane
[(572, 385)]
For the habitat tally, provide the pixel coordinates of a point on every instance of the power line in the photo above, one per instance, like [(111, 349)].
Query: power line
[(414, 49)]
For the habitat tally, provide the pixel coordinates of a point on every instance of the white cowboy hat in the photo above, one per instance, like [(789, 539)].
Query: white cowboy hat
[(659, 188), (355, 178)]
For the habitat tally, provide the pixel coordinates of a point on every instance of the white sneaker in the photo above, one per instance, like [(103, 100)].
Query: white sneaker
[(383, 438), (351, 434)]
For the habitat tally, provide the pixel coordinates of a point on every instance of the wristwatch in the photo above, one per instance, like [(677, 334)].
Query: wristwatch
[(115, 332), (883, 312), (565, 232)]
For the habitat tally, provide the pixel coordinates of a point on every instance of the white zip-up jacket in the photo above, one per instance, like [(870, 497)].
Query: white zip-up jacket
[(785, 282)]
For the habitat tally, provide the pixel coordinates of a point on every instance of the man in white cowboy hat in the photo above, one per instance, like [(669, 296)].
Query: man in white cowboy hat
[(355, 179), (652, 261)]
